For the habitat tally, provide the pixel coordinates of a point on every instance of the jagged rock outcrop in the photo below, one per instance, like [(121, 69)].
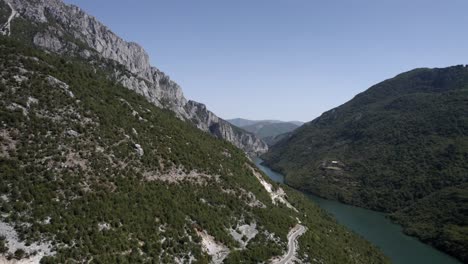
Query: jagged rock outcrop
[(207, 121), (69, 30)]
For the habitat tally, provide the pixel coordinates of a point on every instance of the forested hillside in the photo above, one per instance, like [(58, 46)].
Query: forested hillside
[(92, 172), (398, 147)]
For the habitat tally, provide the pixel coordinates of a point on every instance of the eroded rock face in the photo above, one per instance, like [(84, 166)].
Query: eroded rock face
[(207, 121), (70, 30)]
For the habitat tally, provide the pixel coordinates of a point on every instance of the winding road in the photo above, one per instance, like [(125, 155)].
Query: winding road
[(293, 235)]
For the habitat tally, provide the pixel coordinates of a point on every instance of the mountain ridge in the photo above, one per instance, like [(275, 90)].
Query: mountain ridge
[(72, 31), (93, 172), (396, 147), (270, 131), (241, 122)]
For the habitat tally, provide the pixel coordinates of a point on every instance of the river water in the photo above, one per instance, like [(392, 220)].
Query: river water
[(377, 229)]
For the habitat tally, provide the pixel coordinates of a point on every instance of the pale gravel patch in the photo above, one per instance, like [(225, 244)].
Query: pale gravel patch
[(244, 233), (14, 243), (176, 175), (31, 101), (183, 260), (104, 226), (57, 83), (254, 202), (251, 201), (15, 106), (7, 143), (139, 150), (4, 198), (216, 250), (74, 161), (72, 133), (20, 78), (6, 28), (277, 195)]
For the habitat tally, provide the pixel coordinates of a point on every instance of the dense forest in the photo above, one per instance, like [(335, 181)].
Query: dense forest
[(399, 147), (102, 175)]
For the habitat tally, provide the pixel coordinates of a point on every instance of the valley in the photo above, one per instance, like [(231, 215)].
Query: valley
[(376, 228), (270, 131), (98, 168), (400, 147), (103, 159), (84, 179)]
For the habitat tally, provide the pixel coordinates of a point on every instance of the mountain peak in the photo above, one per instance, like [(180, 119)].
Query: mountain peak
[(66, 29)]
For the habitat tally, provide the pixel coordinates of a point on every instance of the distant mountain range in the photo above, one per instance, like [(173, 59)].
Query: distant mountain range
[(241, 122), (269, 131)]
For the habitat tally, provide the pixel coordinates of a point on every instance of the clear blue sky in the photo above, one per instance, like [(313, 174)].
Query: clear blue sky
[(287, 59)]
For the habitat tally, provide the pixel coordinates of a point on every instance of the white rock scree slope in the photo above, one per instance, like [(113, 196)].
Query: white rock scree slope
[(6, 28)]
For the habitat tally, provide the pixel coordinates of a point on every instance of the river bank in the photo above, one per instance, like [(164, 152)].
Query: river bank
[(376, 228)]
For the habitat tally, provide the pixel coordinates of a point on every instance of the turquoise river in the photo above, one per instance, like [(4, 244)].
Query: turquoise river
[(377, 229)]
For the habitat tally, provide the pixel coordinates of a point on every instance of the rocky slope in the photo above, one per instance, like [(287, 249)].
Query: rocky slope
[(91, 172), (401, 147), (66, 29)]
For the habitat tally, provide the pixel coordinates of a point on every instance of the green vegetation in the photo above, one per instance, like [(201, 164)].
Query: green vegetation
[(5, 12), (390, 148), (440, 219), (3, 246), (71, 175), (324, 233), (19, 253)]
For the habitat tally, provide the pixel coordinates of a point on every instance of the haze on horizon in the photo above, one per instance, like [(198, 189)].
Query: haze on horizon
[(282, 60)]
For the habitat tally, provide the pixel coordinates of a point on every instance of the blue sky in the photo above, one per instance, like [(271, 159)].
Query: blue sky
[(287, 59)]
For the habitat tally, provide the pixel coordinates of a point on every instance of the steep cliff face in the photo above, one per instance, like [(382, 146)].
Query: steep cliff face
[(66, 29), (207, 121)]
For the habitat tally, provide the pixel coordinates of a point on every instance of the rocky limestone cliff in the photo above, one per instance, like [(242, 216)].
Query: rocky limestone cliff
[(207, 121), (66, 29)]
